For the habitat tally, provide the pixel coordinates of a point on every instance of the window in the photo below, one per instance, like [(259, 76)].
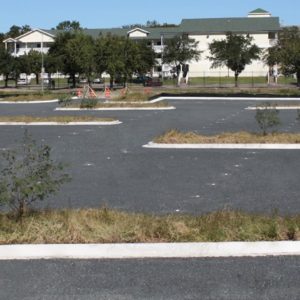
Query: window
[(272, 35), (38, 45)]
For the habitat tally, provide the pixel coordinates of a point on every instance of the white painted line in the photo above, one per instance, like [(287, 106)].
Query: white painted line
[(222, 98), (223, 146), (273, 107), (115, 108), (135, 251), (59, 123), (29, 102)]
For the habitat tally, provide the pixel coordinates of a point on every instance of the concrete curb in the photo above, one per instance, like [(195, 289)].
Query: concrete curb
[(152, 145), (59, 123), (222, 98), (115, 108), (29, 102), (138, 251)]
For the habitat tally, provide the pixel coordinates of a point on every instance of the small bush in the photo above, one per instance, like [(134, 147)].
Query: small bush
[(88, 103), (64, 100), (267, 117)]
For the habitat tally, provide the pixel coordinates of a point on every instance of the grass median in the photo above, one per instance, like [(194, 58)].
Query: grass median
[(29, 97), (58, 119), (176, 137), (111, 226)]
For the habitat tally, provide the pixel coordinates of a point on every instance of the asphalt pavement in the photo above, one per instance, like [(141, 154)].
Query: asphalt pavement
[(214, 279), (110, 167)]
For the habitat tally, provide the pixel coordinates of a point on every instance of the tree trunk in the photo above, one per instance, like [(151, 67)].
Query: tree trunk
[(73, 81), (37, 78), (236, 75), (21, 210), (111, 82), (298, 78), (6, 81)]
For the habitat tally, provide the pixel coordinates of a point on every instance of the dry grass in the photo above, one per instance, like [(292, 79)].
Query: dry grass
[(59, 119), (133, 96), (124, 105), (177, 137), (31, 97), (110, 226)]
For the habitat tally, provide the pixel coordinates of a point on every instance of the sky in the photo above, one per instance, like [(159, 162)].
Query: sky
[(115, 13)]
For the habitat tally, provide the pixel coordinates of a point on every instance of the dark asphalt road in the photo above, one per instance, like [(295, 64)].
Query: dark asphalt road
[(214, 279), (110, 167)]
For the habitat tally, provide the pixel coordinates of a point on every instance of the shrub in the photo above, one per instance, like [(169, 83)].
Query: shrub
[(267, 117), (64, 100), (88, 103), (28, 175)]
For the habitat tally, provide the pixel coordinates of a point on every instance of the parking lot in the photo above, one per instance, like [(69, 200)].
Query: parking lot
[(110, 167)]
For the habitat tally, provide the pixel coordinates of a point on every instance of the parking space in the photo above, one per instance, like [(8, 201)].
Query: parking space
[(110, 167)]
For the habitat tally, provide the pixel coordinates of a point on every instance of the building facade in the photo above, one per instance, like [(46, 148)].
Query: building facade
[(259, 24)]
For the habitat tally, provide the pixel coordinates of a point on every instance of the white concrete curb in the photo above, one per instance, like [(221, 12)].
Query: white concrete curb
[(135, 251), (115, 108), (222, 98), (29, 102), (59, 123), (223, 146)]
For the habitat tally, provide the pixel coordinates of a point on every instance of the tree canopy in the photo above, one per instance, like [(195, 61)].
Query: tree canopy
[(68, 26), (286, 52), (234, 52)]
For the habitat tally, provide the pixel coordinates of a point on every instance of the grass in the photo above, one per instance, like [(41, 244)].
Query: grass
[(59, 119), (123, 105), (176, 137), (133, 97), (29, 97), (221, 80), (111, 226)]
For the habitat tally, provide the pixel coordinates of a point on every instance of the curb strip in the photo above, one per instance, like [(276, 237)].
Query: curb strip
[(138, 251)]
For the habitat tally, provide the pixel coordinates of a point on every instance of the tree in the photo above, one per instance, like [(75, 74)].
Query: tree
[(73, 53), (6, 64), (79, 52), (121, 57), (29, 175), (235, 52), (267, 117), (34, 63), (16, 31), (286, 52), (179, 51), (68, 26)]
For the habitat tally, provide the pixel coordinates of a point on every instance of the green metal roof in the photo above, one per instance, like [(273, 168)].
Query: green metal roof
[(259, 11), (196, 26), (222, 25)]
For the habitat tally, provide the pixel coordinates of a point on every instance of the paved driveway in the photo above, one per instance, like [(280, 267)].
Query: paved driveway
[(110, 167)]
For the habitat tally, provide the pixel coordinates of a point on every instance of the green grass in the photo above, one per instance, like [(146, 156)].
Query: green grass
[(59, 119), (111, 226), (176, 137), (223, 80)]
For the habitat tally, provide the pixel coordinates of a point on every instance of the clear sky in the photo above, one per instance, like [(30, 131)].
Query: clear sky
[(115, 13)]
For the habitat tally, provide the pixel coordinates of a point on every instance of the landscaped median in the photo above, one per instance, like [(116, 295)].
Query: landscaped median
[(57, 120), (117, 105), (111, 226), (228, 140), (29, 98)]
